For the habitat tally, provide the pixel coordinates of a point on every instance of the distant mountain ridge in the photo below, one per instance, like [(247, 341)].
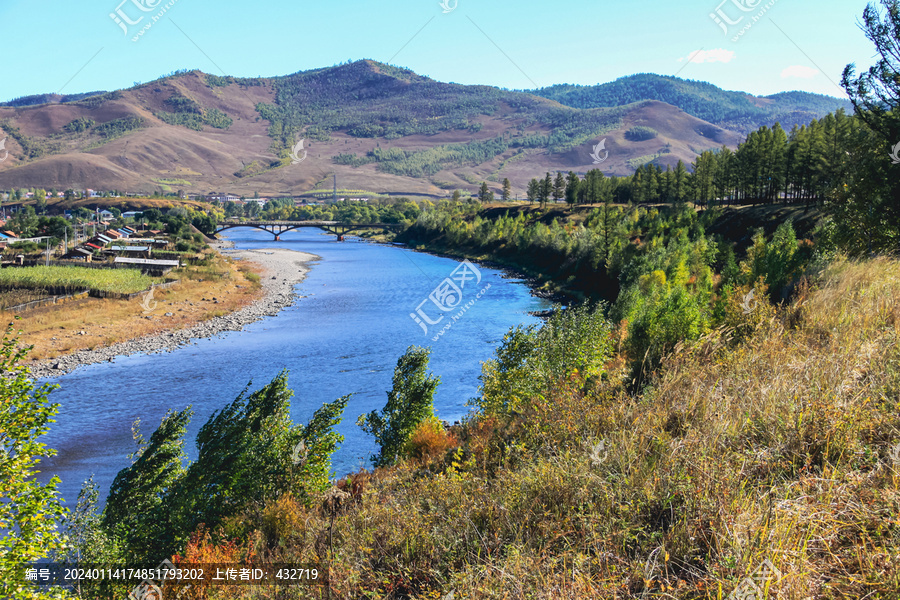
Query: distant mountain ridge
[(379, 128), (737, 111), (48, 98)]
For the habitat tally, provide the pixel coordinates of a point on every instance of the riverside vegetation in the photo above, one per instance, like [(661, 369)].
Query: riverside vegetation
[(728, 405)]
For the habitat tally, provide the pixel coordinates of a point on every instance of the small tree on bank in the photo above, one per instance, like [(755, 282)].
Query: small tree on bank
[(410, 402)]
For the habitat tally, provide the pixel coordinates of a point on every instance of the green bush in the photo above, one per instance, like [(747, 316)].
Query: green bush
[(410, 402)]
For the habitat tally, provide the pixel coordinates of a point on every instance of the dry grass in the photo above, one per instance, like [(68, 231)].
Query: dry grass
[(57, 330), (774, 448)]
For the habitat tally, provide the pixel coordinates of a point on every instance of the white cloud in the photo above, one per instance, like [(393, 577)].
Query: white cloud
[(704, 56), (799, 71)]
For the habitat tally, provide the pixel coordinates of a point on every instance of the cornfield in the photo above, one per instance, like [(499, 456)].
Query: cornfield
[(67, 280)]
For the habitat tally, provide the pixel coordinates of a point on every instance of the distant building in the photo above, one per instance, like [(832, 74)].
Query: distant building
[(216, 197)]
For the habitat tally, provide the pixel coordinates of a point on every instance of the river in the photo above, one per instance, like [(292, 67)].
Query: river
[(343, 337)]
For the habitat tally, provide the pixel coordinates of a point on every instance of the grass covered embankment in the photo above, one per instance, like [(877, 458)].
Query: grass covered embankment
[(773, 439)]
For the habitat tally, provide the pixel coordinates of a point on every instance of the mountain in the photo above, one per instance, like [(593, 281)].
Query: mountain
[(736, 111), (380, 128)]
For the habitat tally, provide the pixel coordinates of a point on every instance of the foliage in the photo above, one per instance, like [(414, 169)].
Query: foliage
[(529, 361), (640, 133), (138, 509), (78, 125), (189, 114), (119, 127), (29, 510), (410, 402), (249, 454)]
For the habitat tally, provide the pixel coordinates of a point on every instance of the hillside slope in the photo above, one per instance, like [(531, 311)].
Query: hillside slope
[(737, 111), (379, 128)]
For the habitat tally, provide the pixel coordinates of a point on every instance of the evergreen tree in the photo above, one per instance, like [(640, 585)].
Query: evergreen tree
[(507, 190), (483, 193), (572, 184), (534, 191), (559, 187)]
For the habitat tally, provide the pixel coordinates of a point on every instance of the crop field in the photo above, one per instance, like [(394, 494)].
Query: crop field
[(67, 280)]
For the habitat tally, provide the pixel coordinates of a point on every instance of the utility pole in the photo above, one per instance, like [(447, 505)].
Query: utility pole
[(334, 197)]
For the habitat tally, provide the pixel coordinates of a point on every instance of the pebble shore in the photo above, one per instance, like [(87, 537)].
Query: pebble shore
[(283, 269)]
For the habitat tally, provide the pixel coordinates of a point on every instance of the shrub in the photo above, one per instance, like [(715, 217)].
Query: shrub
[(410, 402), (429, 440)]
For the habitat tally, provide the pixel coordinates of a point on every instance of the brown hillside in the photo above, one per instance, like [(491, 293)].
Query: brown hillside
[(166, 157)]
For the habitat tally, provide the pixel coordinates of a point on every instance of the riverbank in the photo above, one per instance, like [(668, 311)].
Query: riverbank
[(180, 322)]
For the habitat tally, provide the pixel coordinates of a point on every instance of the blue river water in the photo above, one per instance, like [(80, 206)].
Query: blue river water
[(343, 337)]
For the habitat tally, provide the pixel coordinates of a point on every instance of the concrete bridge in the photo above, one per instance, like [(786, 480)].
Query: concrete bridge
[(276, 228)]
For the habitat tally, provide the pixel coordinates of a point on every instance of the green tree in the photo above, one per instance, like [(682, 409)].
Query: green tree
[(483, 192), (40, 201), (410, 402), (559, 187), (546, 189), (138, 510), (572, 184), (29, 510), (870, 205), (533, 192), (507, 189)]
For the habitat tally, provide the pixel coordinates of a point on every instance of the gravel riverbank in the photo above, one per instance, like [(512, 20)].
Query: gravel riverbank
[(283, 269)]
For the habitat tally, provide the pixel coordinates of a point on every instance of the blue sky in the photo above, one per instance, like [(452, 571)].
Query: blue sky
[(69, 47)]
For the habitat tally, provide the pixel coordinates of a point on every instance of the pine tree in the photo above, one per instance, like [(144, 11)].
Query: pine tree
[(559, 187), (507, 190), (533, 192), (572, 184), (546, 189)]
